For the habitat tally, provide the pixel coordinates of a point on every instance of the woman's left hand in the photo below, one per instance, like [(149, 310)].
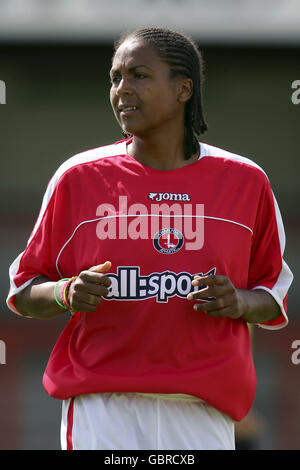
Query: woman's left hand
[(224, 299)]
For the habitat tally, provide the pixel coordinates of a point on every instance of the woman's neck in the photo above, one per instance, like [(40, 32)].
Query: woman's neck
[(160, 154)]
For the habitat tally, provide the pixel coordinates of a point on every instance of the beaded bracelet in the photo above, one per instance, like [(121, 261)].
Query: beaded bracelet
[(55, 295)]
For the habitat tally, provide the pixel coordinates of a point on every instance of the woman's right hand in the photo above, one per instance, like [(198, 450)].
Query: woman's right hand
[(87, 289), (39, 298)]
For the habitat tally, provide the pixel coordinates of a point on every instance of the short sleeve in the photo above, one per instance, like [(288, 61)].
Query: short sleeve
[(267, 269), (38, 258)]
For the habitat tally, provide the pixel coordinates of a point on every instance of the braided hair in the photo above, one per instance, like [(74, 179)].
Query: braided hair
[(184, 59)]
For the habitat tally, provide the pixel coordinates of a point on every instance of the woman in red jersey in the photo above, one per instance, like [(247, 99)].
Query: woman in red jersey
[(157, 352)]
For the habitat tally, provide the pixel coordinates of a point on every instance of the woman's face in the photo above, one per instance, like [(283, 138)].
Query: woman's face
[(143, 95)]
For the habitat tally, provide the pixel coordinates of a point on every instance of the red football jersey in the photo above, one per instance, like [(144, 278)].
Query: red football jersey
[(158, 229)]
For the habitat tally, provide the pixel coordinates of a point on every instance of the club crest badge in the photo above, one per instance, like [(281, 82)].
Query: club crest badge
[(168, 241)]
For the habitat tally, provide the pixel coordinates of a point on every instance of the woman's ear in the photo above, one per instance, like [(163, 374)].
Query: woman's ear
[(185, 89)]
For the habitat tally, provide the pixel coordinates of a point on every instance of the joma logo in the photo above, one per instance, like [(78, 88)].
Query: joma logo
[(168, 197)]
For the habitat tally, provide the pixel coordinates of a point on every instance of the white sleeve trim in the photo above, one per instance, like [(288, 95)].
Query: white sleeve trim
[(13, 288), (280, 303), (12, 293), (285, 278)]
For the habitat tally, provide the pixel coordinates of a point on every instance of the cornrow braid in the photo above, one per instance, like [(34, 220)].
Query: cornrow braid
[(182, 55)]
